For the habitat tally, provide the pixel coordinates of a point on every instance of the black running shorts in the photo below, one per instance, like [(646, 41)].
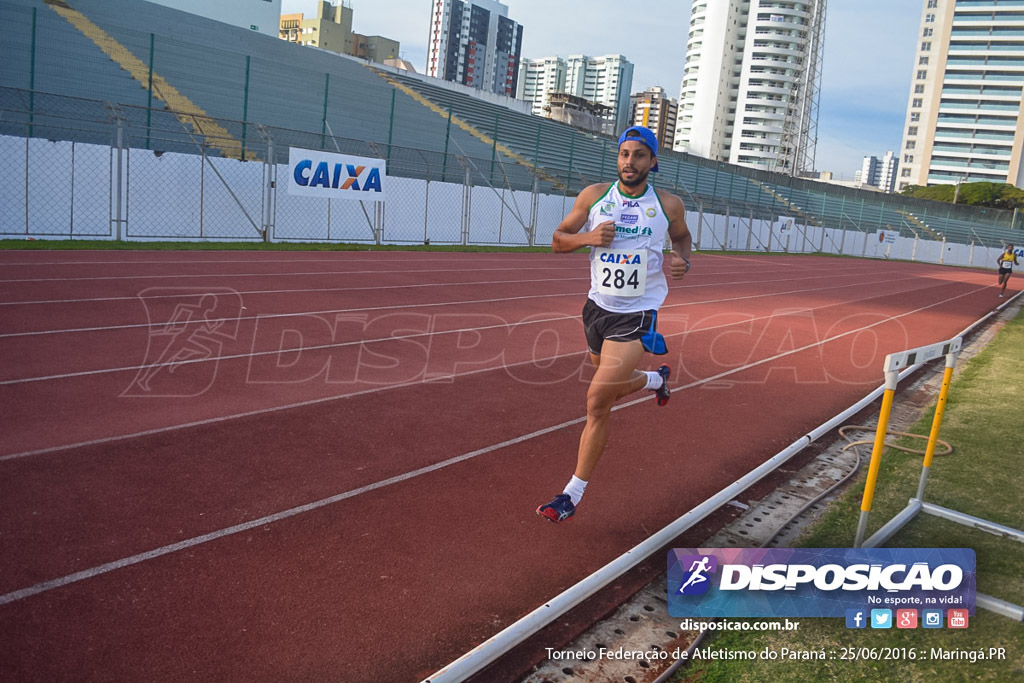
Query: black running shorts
[(600, 324)]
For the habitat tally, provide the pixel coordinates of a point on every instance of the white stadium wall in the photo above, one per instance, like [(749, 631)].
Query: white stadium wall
[(71, 192)]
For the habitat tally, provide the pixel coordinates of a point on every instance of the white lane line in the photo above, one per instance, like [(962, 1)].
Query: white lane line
[(292, 512), (827, 271), (381, 308), (390, 387), (269, 519), (354, 255), (298, 314), (254, 275), (559, 267), (307, 290), (418, 335)]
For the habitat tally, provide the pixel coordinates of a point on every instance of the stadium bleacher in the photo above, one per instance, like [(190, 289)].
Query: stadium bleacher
[(149, 58)]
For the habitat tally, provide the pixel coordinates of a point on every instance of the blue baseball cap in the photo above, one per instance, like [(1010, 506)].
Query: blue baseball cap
[(644, 135)]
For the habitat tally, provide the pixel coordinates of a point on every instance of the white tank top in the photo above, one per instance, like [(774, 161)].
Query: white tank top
[(626, 276)]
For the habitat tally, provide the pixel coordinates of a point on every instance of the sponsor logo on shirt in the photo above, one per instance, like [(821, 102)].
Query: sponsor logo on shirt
[(629, 259), (635, 231)]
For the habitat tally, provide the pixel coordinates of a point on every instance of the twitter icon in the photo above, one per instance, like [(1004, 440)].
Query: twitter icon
[(881, 618)]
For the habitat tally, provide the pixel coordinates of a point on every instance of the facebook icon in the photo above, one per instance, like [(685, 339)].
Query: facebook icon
[(856, 618)]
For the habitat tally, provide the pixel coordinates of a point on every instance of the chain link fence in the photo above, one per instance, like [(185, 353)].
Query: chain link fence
[(157, 63), (82, 168), (78, 168)]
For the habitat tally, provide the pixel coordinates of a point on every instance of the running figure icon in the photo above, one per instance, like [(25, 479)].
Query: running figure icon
[(697, 570), (194, 332)]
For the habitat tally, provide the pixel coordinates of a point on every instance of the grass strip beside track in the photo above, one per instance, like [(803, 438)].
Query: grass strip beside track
[(983, 477)]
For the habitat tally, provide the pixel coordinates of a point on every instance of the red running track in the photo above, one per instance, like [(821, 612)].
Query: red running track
[(328, 466)]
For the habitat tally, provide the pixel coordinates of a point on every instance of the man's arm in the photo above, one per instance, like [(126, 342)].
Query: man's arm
[(566, 237), (679, 234)]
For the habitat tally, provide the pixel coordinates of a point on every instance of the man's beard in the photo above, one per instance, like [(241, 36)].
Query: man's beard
[(641, 178)]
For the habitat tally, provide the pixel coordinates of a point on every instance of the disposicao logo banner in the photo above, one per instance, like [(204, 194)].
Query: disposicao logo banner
[(335, 176), (816, 582)]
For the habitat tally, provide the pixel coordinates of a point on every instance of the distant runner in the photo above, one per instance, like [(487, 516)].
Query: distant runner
[(1007, 260), (625, 223)]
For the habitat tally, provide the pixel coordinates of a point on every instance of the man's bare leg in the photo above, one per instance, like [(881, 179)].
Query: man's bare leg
[(616, 377)]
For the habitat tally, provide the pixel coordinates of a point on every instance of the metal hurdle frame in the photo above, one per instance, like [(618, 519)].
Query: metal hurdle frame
[(894, 363)]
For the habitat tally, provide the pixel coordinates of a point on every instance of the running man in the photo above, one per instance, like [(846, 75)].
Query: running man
[(625, 225), (1007, 260)]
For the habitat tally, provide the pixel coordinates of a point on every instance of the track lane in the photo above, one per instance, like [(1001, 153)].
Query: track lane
[(235, 385), (300, 596)]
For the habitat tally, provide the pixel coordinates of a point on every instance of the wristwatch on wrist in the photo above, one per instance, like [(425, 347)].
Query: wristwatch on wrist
[(687, 263)]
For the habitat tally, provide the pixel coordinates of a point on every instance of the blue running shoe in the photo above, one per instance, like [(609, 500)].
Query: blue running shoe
[(558, 510), (663, 392)]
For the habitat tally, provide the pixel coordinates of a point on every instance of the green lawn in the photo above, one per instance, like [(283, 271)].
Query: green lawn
[(983, 477)]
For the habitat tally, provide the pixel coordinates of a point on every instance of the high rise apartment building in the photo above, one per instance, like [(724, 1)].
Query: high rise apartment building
[(964, 108), (880, 173), (749, 93), (538, 78), (604, 80), (654, 109), (473, 42), (887, 172)]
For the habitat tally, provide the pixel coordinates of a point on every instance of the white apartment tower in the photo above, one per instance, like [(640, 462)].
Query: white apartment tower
[(887, 172), (473, 42), (868, 173), (538, 78), (607, 80), (880, 173), (749, 93), (964, 107)]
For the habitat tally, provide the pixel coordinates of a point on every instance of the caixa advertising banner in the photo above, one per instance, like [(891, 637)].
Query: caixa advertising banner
[(817, 582), (335, 176)]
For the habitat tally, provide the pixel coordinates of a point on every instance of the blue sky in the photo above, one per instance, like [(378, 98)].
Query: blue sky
[(867, 69)]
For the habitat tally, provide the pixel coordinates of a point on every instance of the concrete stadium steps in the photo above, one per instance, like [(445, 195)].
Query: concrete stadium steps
[(207, 61), (231, 74), (449, 116), (187, 112), (536, 141), (66, 61), (786, 204), (920, 225)]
